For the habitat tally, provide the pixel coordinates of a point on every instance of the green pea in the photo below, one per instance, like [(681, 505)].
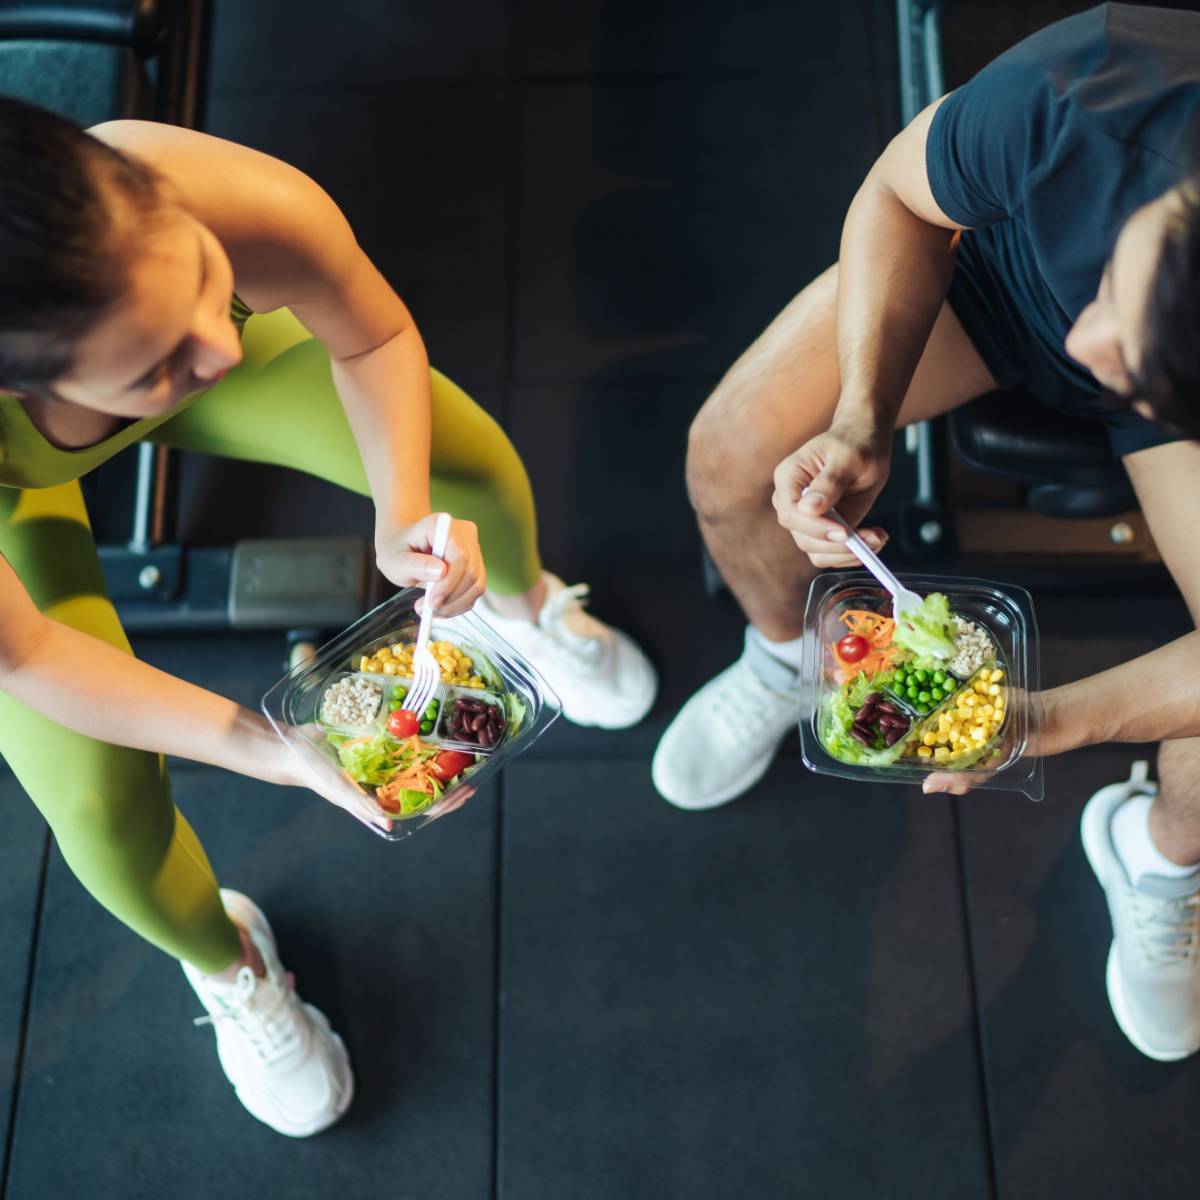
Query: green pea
[(923, 697), (901, 675), (393, 705), (400, 692), (912, 692), (426, 726), (922, 675), (936, 694), (431, 713), (939, 677)]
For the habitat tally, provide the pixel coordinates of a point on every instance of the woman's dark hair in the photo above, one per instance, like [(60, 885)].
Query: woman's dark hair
[(1168, 377), (61, 267)]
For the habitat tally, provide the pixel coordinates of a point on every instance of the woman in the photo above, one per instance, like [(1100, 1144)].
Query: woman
[(132, 262)]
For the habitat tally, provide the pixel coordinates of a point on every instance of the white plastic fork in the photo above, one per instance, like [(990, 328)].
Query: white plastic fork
[(903, 599), (427, 673)]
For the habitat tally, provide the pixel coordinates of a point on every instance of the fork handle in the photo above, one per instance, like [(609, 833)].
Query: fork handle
[(867, 556), (441, 535)]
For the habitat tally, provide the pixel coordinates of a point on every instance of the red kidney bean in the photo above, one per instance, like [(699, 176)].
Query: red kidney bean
[(865, 712), (860, 737), (888, 707), (486, 736), (893, 735)]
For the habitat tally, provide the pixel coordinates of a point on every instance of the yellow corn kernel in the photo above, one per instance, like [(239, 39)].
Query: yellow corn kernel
[(383, 654), (980, 686), (996, 676), (986, 710), (924, 751), (958, 753), (465, 662), (362, 662), (390, 666), (929, 738), (941, 752), (374, 666), (993, 689), (942, 739), (978, 733)]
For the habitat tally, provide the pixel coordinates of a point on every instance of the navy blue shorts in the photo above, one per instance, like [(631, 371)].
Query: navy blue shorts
[(1016, 352)]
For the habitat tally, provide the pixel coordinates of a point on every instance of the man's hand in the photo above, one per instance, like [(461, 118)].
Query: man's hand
[(404, 557), (831, 470)]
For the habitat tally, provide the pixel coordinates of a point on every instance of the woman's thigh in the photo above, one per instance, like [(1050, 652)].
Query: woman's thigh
[(280, 406), (110, 807), (783, 391)]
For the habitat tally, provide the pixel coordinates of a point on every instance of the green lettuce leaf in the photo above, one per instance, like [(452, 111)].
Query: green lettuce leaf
[(927, 631)]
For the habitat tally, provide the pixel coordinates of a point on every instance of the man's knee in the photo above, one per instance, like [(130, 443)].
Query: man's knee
[(729, 468)]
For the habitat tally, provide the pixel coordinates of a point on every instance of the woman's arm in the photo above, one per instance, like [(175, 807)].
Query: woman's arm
[(289, 244), (89, 686)]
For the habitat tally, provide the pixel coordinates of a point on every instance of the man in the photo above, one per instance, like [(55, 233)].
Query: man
[(1036, 226)]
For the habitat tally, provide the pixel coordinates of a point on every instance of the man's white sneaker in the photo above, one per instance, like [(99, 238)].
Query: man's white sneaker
[(599, 673), (726, 736), (291, 1070), (1153, 973)]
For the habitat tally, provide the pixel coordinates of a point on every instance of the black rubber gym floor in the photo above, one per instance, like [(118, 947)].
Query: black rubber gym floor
[(570, 989)]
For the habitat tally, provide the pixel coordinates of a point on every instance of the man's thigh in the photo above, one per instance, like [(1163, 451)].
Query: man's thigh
[(784, 389), (1167, 482)]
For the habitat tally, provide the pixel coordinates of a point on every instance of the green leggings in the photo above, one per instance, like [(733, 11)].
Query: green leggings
[(110, 808)]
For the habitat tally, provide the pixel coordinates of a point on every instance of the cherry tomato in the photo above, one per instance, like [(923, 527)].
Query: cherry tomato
[(450, 763), (403, 723), (852, 648)]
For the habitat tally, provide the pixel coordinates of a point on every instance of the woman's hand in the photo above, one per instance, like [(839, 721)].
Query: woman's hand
[(832, 470), (404, 556)]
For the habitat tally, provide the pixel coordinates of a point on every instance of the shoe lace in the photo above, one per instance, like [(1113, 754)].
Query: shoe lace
[(745, 705), (554, 622), (264, 1016), (1167, 931)]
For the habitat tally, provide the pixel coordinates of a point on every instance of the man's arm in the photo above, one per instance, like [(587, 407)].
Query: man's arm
[(895, 265)]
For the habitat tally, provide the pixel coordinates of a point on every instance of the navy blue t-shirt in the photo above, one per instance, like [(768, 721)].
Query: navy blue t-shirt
[(1049, 150)]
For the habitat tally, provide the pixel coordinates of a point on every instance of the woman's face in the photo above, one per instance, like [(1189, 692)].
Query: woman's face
[(169, 335)]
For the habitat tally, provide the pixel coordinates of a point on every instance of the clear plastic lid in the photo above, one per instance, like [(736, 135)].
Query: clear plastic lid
[(296, 707), (944, 731)]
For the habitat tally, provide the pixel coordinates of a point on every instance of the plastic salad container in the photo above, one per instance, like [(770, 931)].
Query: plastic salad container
[(891, 716), (335, 710)]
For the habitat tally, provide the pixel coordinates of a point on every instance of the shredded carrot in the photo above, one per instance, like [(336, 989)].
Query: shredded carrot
[(878, 632)]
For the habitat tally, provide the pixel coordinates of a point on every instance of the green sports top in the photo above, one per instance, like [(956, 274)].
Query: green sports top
[(27, 460)]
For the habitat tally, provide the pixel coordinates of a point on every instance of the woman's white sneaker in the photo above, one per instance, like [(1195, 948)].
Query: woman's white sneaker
[(727, 735), (598, 673), (1153, 973), (290, 1070)]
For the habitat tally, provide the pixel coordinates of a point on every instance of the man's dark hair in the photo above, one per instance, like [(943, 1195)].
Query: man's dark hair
[(61, 267), (1168, 378)]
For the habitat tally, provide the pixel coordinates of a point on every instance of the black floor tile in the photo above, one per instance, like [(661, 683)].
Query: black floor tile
[(281, 44), (664, 223), (606, 462), (1078, 1111), (769, 1000), (618, 37), (21, 850), (123, 1099), (423, 178)]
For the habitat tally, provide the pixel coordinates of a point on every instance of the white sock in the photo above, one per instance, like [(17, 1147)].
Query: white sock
[(789, 653), (1135, 847)]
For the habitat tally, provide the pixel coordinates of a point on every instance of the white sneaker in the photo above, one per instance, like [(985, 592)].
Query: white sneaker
[(1153, 970), (597, 672), (291, 1070), (726, 736)]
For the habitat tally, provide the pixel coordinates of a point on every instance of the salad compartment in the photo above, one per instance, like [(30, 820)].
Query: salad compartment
[(397, 772), (899, 716)]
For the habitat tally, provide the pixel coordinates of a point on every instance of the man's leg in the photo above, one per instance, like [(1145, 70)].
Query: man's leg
[(1143, 841), (781, 393), (778, 395)]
